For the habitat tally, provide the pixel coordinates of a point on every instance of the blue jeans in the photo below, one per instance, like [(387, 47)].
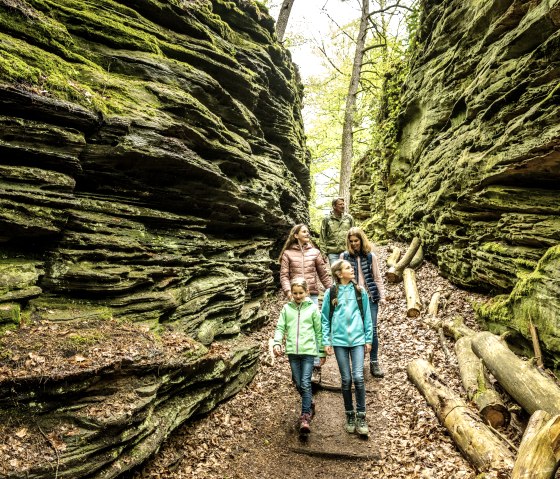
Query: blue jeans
[(373, 306), (315, 299), (333, 257), (343, 357), (302, 368)]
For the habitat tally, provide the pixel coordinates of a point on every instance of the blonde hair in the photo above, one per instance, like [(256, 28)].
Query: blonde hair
[(292, 240), (336, 267), (299, 282), (365, 245)]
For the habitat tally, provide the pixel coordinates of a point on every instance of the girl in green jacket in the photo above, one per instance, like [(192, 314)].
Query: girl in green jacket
[(300, 323)]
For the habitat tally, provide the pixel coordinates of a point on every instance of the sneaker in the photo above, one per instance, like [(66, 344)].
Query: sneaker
[(350, 422), (312, 409), (304, 424), (316, 375), (361, 424), (376, 370)]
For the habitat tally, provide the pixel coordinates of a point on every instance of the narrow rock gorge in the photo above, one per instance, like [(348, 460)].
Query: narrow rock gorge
[(152, 154), (476, 169)]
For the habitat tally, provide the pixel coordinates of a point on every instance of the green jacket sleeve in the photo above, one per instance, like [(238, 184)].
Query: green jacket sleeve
[(317, 326), (325, 320), (280, 327)]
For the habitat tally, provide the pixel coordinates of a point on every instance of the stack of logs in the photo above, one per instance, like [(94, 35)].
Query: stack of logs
[(538, 456)]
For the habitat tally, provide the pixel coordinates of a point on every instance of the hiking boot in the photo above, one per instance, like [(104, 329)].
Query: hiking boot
[(316, 375), (312, 409), (304, 424), (375, 370), (361, 424), (350, 422)]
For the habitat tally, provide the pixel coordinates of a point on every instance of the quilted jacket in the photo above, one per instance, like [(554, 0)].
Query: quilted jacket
[(307, 263)]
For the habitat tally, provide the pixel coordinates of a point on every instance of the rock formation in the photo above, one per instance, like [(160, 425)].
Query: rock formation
[(151, 153), (477, 169)]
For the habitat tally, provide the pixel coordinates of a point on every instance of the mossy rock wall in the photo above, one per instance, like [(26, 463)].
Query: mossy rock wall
[(535, 298), (152, 157), (477, 169)]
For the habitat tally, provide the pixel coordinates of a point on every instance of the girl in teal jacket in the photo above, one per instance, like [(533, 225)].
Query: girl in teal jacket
[(300, 323), (347, 332)]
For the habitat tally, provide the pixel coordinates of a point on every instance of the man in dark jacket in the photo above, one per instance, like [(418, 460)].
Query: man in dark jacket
[(334, 228)]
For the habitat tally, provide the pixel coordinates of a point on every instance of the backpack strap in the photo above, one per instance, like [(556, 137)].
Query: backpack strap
[(359, 299), (332, 297)]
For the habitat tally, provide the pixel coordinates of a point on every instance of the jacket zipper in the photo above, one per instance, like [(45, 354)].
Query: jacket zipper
[(297, 335)]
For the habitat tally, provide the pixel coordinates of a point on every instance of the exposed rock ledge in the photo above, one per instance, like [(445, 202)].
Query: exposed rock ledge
[(152, 155), (477, 174)]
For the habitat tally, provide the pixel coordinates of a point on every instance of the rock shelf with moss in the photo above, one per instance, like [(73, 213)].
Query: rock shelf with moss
[(153, 156)]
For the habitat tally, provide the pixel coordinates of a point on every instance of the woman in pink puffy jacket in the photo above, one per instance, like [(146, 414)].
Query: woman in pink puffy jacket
[(300, 259)]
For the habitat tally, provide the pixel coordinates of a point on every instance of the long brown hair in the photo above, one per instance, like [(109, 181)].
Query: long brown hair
[(365, 245), (292, 239)]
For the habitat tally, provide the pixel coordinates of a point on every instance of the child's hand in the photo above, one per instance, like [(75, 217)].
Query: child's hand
[(368, 348), (322, 361), (329, 350), (277, 350)]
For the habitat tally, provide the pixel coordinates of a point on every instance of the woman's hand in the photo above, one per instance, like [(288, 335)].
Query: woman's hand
[(277, 350), (329, 350)]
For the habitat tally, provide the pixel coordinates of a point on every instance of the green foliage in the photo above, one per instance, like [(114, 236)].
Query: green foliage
[(375, 131)]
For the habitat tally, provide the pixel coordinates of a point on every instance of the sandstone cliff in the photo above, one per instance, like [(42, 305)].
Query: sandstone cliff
[(477, 167), (151, 153)]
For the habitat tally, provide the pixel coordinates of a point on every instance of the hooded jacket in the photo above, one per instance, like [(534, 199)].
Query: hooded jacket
[(301, 324), (306, 263), (347, 327)]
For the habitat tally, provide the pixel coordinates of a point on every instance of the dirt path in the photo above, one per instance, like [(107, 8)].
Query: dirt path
[(253, 435)]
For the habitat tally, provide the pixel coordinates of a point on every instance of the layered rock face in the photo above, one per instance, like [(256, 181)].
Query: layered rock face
[(478, 170), (152, 153)]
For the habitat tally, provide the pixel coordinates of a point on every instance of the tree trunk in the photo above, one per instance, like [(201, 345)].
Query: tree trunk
[(539, 449), (431, 318), (480, 446), (524, 382), (478, 388), (283, 18), (413, 303), (394, 275), (456, 328), (417, 259), (394, 257), (350, 110)]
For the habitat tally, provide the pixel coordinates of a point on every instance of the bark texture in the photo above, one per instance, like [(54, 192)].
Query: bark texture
[(475, 440)]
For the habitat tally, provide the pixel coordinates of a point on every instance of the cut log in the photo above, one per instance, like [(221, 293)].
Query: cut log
[(456, 328), (539, 449), (431, 318), (394, 274), (479, 390), (484, 450), (434, 304), (417, 259), (394, 257), (413, 303), (531, 389)]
